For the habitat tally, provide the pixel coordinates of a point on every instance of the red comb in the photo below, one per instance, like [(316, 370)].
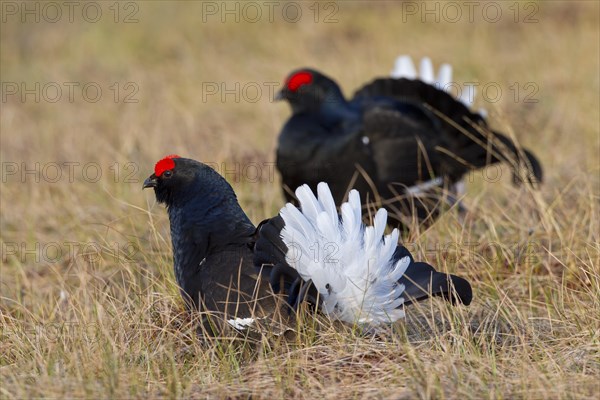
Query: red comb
[(299, 79), (165, 164)]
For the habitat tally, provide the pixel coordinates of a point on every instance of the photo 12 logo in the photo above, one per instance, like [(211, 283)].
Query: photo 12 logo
[(71, 92), (270, 11), (493, 92), (67, 251), (69, 11), (470, 11), (68, 172), (251, 172), (249, 92)]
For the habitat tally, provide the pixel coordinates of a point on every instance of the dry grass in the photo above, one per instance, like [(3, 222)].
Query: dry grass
[(102, 318)]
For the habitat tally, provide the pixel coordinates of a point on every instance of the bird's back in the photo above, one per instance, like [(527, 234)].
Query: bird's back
[(311, 150)]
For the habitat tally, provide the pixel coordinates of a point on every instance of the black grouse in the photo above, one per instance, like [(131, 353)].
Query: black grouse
[(397, 140), (228, 268)]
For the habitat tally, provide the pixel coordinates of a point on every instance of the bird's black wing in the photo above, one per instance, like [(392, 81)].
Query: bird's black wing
[(403, 144), (465, 139), (403, 140), (219, 274), (309, 152), (417, 92), (269, 259)]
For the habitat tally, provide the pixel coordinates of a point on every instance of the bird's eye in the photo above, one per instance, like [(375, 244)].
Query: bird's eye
[(168, 173)]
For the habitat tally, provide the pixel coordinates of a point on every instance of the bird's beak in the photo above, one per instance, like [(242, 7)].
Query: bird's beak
[(150, 182), (279, 95)]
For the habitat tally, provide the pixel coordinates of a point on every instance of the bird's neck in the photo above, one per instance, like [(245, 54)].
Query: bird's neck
[(210, 213), (337, 110), (319, 101), (203, 223)]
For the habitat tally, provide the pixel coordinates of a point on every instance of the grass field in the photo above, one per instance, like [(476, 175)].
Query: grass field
[(88, 303)]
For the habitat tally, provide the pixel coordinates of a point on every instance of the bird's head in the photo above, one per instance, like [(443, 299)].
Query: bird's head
[(171, 174), (178, 180), (307, 89)]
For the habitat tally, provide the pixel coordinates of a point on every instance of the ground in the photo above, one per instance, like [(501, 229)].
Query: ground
[(94, 94)]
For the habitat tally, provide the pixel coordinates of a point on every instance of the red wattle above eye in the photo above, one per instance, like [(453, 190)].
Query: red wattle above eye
[(299, 79), (165, 164)]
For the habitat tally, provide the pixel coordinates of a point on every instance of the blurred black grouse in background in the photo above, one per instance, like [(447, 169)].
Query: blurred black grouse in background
[(238, 273), (398, 141)]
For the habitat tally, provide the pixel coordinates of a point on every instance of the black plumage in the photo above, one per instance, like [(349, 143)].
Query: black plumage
[(211, 235), (392, 135), (226, 266)]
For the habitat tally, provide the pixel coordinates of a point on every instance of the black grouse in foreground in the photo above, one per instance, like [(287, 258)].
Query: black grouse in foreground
[(236, 272), (397, 141)]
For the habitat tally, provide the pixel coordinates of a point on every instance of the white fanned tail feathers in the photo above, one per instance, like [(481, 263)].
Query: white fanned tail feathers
[(404, 68), (350, 265), (240, 323)]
